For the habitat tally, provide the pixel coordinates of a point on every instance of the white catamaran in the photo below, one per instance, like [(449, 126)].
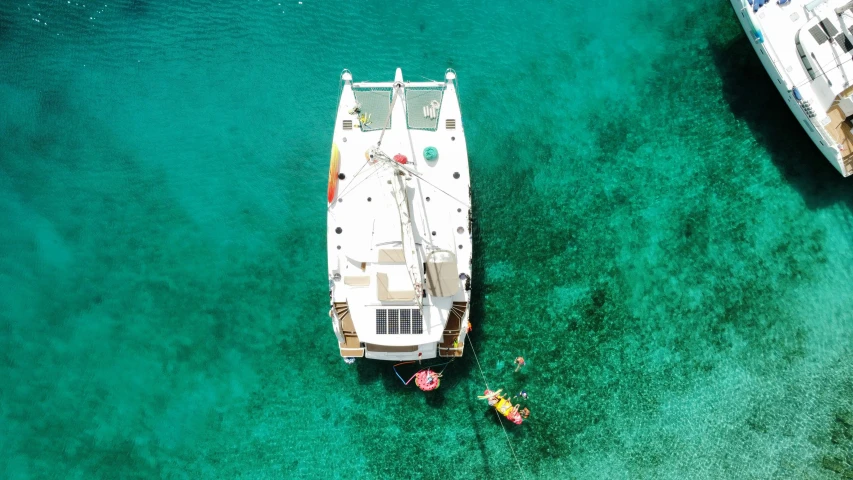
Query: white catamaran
[(807, 48), (399, 221)]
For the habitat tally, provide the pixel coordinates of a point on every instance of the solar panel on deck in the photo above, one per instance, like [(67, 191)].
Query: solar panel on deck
[(393, 322), (381, 321), (842, 42), (417, 322), (818, 34), (829, 28), (399, 321), (405, 321)]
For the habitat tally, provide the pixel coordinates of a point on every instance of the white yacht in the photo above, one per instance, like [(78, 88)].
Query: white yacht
[(807, 48), (399, 220)]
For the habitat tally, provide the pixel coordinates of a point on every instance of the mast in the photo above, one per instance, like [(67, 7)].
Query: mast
[(840, 13), (410, 252), (399, 175)]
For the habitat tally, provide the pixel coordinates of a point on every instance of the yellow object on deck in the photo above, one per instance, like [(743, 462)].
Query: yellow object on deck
[(334, 168)]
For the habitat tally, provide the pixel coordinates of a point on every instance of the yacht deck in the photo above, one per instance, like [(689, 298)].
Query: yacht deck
[(840, 130), (379, 233)]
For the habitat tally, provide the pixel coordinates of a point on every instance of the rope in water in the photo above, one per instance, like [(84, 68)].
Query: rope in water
[(500, 420), (416, 373), (405, 382), (469, 342)]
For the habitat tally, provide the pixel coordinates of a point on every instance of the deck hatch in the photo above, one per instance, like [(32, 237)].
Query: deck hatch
[(450, 124), (347, 124), (818, 34), (399, 321)]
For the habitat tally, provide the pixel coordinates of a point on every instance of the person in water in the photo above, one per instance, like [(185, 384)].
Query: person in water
[(432, 377), (519, 362), (514, 415), (491, 397), (503, 406)]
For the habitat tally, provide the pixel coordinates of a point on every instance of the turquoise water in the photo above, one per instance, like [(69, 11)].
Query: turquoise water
[(654, 233)]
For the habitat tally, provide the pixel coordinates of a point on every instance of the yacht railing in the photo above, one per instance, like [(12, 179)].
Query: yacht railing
[(789, 83), (825, 135), (813, 123), (759, 38)]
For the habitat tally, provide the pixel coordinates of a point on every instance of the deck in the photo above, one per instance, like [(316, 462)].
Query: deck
[(452, 330), (840, 130)]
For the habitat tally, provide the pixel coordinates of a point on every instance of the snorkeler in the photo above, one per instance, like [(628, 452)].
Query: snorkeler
[(519, 363)]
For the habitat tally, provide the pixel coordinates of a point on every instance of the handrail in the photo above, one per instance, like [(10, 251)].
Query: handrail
[(336, 325), (825, 134), (775, 56), (774, 59)]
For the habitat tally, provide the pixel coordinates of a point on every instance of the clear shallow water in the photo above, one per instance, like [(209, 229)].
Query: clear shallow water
[(654, 234)]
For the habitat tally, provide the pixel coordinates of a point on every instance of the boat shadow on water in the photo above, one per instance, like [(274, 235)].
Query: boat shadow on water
[(373, 371), (753, 99)]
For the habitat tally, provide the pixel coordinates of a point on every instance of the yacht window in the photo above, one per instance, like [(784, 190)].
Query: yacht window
[(803, 58)]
